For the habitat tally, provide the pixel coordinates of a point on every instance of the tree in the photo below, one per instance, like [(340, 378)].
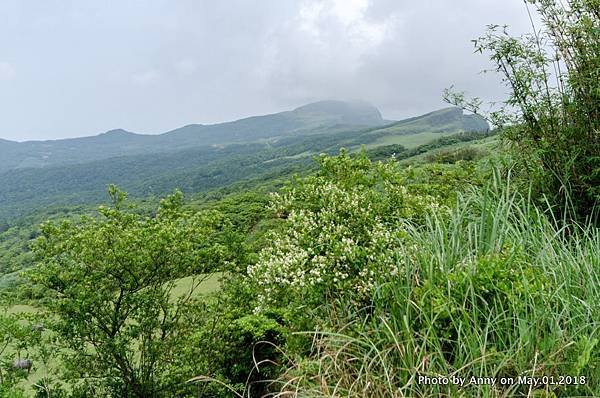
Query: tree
[(552, 115), (16, 337), (112, 279)]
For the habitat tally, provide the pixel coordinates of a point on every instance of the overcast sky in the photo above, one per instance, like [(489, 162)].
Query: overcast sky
[(74, 68)]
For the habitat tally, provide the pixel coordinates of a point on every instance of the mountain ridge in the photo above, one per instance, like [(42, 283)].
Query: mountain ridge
[(302, 108), (119, 142), (194, 168)]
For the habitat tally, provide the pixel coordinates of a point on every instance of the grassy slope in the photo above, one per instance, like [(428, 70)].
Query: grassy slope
[(14, 241), (14, 255), (409, 141)]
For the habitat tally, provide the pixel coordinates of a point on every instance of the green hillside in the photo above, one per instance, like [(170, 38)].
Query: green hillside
[(315, 117), (324, 252), (233, 178), (419, 130), (242, 197), (200, 168)]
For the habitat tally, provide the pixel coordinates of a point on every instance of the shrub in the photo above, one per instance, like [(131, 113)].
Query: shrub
[(342, 231)]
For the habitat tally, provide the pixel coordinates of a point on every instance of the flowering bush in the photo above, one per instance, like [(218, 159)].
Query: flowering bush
[(343, 232)]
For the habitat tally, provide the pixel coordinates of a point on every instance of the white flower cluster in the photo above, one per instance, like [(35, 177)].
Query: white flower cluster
[(336, 238)]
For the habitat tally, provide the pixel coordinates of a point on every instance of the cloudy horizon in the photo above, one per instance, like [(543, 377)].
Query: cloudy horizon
[(79, 68)]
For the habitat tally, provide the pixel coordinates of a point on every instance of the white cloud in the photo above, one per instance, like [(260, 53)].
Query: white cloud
[(7, 71), (348, 17), (146, 77), (321, 51), (185, 66)]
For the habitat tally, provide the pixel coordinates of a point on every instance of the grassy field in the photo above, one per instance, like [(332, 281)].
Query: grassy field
[(409, 140), (211, 284), (21, 309)]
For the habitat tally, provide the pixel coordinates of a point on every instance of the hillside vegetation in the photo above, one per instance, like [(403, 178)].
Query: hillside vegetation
[(467, 266), (200, 166), (303, 120)]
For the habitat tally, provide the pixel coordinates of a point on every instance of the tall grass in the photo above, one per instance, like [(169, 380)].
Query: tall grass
[(495, 288)]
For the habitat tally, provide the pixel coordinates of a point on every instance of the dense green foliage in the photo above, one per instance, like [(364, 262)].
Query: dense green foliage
[(226, 326), (353, 280), (15, 253), (488, 286), (341, 227), (110, 281), (244, 202)]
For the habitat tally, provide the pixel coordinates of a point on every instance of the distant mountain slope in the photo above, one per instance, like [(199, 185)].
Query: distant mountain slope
[(198, 168), (419, 130), (302, 120), (443, 120)]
